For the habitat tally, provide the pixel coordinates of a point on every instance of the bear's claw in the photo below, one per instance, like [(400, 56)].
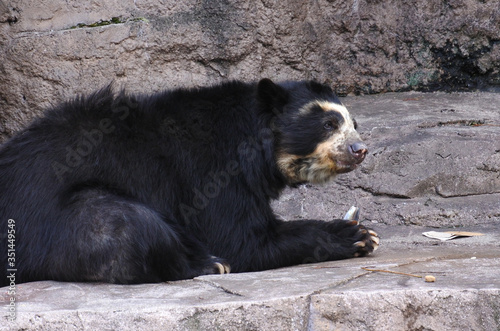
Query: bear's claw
[(219, 266), (223, 268), (375, 239), (370, 241)]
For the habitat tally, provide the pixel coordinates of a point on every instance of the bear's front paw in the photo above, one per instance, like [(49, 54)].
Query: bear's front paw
[(369, 241)]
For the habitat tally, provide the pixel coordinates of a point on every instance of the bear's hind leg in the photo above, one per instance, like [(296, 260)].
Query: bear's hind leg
[(109, 238)]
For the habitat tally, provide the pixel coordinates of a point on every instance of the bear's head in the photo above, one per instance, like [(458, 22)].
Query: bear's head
[(315, 136)]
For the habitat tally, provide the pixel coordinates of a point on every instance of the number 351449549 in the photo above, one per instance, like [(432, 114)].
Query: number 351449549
[(11, 242)]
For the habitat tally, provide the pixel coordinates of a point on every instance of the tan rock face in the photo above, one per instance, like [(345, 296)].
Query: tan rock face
[(433, 160), (52, 49)]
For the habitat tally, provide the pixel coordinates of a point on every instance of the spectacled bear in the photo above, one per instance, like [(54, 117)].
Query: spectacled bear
[(123, 188)]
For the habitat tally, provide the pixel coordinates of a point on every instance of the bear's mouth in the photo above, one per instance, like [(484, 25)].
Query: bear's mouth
[(343, 167), (313, 169)]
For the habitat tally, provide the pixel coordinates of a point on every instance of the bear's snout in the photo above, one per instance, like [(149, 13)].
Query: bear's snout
[(358, 151)]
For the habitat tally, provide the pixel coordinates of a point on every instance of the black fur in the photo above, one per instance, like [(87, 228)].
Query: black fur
[(133, 189), (300, 137)]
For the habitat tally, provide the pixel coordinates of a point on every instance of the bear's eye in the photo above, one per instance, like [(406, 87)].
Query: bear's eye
[(355, 124), (329, 125)]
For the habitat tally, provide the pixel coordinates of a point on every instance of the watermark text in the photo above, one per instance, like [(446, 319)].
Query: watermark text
[(11, 268)]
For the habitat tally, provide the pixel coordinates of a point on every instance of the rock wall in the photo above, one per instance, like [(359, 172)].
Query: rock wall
[(52, 49), (433, 161)]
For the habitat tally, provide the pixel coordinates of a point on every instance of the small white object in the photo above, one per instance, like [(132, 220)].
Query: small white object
[(447, 235), (443, 236), (352, 214)]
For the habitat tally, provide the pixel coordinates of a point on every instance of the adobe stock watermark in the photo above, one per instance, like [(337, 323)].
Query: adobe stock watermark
[(247, 151), (89, 140), (323, 251), (11, 268)]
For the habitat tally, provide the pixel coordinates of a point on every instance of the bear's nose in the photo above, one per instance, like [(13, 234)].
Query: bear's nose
[(358, 150)]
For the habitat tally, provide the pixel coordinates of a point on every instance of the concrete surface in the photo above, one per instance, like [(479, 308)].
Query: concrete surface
[(335, 295), (433, 165)]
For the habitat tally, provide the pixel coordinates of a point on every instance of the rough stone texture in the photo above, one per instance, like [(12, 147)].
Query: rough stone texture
[(357, 46), (434, 160), (424, 145), (335, 295)]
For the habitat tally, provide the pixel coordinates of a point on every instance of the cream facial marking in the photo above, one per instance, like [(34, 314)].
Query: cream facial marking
[(330, 156), (330, 106), (346, 130)]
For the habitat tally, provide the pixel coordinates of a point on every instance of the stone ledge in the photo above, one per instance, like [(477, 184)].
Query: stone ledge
[(333, 295)]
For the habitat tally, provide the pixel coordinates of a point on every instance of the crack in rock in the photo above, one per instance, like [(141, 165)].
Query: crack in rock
[(218, 286)]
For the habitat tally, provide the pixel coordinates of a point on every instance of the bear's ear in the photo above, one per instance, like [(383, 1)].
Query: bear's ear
[(319, 88), (270, 95)]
